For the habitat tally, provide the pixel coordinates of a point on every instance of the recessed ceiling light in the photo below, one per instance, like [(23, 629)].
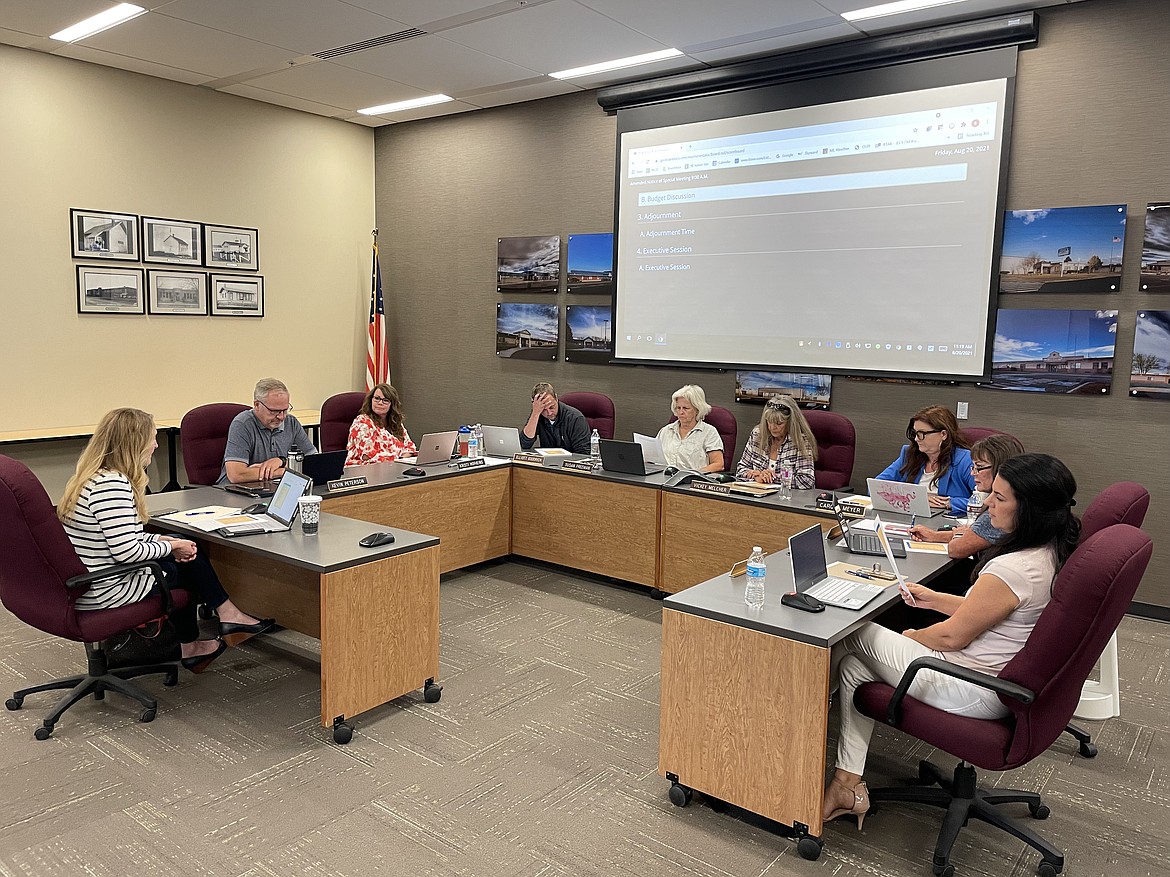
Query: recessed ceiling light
[(895, 8), (633, 61), (406, 105), (97, 23)]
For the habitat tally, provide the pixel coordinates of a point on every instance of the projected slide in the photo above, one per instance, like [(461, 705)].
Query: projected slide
[(856, 235)]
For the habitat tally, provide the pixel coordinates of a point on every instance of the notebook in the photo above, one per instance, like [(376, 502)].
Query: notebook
[(434, 447), (860, 541), (282, 508), (324, 467), (625, 457), (902, 498), (652, 451), (811, 574), (501, 441), (257, 489)]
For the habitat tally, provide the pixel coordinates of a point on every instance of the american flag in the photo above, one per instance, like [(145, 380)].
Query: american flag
[(377, 347)]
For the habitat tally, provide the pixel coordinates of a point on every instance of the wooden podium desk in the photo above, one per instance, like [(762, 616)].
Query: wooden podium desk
[(745, 693), (375, 610)]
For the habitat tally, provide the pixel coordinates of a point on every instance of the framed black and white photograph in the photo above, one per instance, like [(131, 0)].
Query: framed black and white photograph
[(172, 241), (528, 264), (235, 296), (177, 292), (109, 290), (97, 234), (227, 246)]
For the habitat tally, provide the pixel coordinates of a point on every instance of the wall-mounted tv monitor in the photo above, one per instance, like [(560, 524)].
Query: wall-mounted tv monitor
[(845, 224)]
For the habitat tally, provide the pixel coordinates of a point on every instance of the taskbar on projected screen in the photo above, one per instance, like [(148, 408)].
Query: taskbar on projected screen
[(934, 356)]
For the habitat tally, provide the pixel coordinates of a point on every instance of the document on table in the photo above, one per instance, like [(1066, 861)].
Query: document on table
[(926, 547), (553, 452), (208, 518), (651, 449)]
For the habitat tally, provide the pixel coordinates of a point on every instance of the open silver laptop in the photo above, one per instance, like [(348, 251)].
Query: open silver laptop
[(902, 498), (811, 573), (435, 447), (865, 541), (501, 441), (282, 508)]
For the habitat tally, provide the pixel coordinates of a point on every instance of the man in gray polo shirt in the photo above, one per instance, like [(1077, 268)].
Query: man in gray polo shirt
[(259, 441)]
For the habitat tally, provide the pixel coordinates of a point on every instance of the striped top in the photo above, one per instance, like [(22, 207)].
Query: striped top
[(105, 530)]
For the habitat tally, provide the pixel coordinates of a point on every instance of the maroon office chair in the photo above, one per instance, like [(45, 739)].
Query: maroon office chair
[(337, 415), (975, 433), (728, 428), (40, 579), (203, 437), (836, 446), (597, 408), (1041, 686)]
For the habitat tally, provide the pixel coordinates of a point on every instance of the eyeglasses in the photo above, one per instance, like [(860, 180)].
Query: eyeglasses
[(276, 412), (975, 467), (779, 406), (919, 434), (380, 400)]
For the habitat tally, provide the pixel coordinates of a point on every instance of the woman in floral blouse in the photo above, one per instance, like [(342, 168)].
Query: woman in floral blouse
[(378, 434), (783, 440)]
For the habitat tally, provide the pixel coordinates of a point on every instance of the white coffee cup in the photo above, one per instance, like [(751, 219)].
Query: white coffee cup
[(310, 509)]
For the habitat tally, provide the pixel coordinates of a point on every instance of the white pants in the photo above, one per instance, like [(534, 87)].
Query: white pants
[(877, 654)]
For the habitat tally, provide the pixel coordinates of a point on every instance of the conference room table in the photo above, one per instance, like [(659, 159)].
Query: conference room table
[(374, 610), (745, 693)]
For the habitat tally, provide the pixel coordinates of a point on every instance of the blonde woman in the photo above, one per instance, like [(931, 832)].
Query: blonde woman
[(690, 442), (103, 512), (782, 440)]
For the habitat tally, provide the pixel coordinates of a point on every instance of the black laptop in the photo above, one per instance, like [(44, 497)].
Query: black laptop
[(625, 457), (324, 467)]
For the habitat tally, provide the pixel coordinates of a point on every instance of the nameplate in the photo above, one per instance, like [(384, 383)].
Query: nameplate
[(528, 457), (579, 465), (848, 509), (346, 483), (473, 463), (708, 487)]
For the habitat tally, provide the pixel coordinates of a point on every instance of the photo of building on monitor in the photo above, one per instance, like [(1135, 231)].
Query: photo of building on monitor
[(1062, 249), (1054, 351)]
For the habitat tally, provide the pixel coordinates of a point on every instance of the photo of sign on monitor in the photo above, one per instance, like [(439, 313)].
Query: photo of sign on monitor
[(1062, 249)]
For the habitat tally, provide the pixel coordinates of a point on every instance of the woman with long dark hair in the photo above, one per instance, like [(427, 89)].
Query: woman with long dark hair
[(937, 455), (1031, 503), (378, 433)]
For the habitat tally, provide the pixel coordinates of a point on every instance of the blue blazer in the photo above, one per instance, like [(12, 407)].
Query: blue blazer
[(958, 483)]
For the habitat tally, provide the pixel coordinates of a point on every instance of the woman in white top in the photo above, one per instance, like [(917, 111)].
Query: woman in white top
[(103, 512), (690, 442), (1031, 503)]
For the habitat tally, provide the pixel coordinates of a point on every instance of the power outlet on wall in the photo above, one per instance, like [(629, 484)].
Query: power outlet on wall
[(961, 411)]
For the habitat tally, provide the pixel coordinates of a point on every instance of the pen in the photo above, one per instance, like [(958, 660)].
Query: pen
[(193, 514), (860, 575), (913, 519)]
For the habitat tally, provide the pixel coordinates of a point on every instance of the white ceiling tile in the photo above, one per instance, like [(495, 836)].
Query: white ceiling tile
[(337, 86), (448, 109), (187, 46), (635, 74), (284, 100), (435, 65), (553, 36), (81, 52), (417, 14), (18, 38), (532, 91), (304, 26), (838, 33)]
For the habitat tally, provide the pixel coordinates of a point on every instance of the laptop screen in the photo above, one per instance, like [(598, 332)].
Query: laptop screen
[(808, 557), (283, 504)]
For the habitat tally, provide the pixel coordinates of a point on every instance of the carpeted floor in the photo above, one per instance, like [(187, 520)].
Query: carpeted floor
[(540, 759)]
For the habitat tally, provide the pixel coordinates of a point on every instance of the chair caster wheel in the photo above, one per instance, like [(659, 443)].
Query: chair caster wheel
[(342, 733), (171, 679), (809, 848), (44, 732), (432, 693), (14, 703), (947, 870), (1047, 869), (147, 716), (656, 594), (1039, 811), (1088, 750), (680, 795)]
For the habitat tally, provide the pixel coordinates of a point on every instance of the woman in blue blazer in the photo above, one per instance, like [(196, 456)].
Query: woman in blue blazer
[(937, 449)]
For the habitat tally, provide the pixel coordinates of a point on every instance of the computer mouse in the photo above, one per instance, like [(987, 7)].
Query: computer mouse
[(670, 470), (256, 508), (823, 495), (376, 539), (414, 471)]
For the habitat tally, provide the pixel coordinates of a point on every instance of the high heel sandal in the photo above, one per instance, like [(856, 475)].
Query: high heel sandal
[(199, 663), (860, 803)]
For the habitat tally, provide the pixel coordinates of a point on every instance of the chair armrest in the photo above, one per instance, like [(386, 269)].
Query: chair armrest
[(976, 677), (86, 579)]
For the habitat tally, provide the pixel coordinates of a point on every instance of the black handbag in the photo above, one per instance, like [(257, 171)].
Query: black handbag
[(155, 642)]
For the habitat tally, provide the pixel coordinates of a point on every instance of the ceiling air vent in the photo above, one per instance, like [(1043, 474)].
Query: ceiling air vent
[(408, 34)]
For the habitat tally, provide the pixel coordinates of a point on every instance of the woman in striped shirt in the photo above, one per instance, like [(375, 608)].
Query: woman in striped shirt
[(103, 512)]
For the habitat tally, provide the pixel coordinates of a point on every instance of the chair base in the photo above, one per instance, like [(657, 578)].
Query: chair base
[(97, 681), (963, 800)]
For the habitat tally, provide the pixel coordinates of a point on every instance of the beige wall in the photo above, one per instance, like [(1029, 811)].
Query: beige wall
[(1090, 110), (82, 135)]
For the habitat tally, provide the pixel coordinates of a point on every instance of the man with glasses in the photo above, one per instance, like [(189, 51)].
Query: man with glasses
[(259, 441)]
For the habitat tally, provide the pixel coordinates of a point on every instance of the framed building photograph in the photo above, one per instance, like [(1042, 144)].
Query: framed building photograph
[(588, 335), (1150, 375), (97, 234), (1155, 275), (231, 247), (172, 241), (109, 290), (528, 264), (590, 263), (1054, 351), (1062, 249), (809, 390), (235, 296), (182, 293), (527, 331)]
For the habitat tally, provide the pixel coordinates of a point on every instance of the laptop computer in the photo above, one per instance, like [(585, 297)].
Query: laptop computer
[(434, 447), (811, 574), (282, 508), (324, 467), (865, 541), (501, 441), (625, 457), (902, 498)]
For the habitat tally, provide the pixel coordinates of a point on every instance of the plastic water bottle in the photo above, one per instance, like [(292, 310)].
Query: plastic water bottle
[(757, 571), (472, 444), (478, 430), (975, 505), (784, 479), (595, 448)]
